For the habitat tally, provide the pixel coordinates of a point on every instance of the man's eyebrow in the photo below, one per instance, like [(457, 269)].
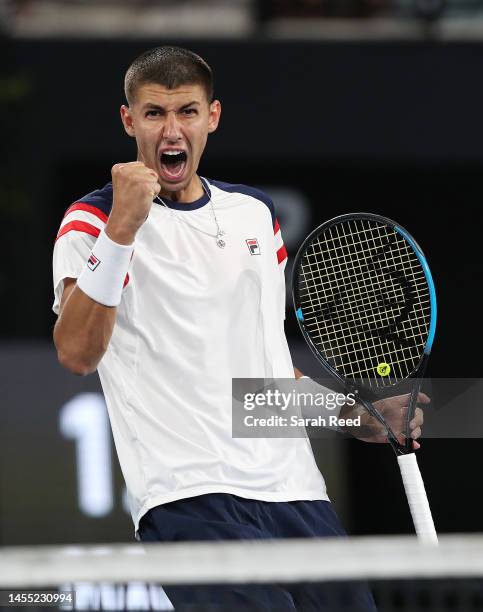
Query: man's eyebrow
[(153, 106)]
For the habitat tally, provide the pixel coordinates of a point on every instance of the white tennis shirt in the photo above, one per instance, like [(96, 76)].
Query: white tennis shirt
[(192, 317)]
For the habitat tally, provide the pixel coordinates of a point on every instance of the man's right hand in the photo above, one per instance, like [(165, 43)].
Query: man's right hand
[(134, 188)]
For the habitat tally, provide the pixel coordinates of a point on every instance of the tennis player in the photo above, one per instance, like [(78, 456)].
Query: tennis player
[(170, 285)]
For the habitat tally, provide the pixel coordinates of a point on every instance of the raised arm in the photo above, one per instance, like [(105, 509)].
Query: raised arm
[(88, 306)]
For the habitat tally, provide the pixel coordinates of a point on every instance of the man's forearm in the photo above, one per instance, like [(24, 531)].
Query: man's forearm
[(82, 332)]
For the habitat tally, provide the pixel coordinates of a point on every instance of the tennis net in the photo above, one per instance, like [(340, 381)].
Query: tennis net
[(326, 574)]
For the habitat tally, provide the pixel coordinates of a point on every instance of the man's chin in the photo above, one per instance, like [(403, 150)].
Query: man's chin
[(170, 189), (171, 186)]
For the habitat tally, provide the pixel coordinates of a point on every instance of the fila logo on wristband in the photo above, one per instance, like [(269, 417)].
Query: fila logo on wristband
[(93, 262), (253, 246), (105, 286)]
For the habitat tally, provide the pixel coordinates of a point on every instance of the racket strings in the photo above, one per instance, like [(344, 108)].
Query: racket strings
[(365, 300), (364, 260), (352, 302)]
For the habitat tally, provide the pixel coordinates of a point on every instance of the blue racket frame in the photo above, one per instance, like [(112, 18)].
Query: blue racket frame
[(351, 384)]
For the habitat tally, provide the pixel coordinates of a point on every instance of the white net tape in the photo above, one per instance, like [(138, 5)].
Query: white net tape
[(297, 560)]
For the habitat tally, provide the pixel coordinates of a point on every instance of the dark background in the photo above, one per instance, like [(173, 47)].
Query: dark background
[(390, 128)]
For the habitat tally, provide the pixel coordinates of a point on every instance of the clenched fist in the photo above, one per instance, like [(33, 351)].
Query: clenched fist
[(134, 187)]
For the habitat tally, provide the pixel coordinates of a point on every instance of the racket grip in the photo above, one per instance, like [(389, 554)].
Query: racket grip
[(417, 498)]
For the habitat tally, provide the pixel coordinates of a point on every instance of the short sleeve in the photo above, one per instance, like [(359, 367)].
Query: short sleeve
[(282, 262), (279, 246), (77, 235)]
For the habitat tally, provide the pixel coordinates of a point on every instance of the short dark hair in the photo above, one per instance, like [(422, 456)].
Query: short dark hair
[(170, 67)]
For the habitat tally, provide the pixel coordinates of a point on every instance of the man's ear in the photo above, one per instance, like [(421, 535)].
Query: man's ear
[(215, 113), (127, 120)]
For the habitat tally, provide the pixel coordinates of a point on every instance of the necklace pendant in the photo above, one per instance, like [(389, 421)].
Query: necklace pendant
[(219, 240)]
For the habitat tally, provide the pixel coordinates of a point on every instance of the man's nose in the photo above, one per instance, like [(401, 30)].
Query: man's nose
[(171, 126)]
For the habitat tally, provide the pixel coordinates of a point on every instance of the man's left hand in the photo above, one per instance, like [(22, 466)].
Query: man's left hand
[(394, 410)]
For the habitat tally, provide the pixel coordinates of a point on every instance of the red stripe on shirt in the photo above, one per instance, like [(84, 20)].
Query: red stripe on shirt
[(87, 208), (78, 226), (126, 280), (282, 254), (277, 227)]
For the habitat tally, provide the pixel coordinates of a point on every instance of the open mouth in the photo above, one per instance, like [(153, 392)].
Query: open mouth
[(173, 163)]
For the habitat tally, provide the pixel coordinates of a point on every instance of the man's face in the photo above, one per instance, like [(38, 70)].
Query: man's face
[(171, 127)]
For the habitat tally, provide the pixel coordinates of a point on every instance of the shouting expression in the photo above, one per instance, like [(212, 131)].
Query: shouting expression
[(171, 127)]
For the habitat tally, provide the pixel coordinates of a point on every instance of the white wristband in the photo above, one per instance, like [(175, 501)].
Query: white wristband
[(103, 277)]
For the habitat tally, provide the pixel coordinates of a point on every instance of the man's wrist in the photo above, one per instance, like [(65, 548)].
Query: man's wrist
[(352, 410), (103, 276), (120, 233)]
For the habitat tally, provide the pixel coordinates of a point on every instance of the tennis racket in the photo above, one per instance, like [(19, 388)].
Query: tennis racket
[(366, 304)]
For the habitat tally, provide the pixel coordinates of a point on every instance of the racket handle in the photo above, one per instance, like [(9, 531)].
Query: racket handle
[(417, 498)]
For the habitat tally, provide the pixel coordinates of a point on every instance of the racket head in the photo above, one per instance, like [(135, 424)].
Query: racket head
[(365, 300)]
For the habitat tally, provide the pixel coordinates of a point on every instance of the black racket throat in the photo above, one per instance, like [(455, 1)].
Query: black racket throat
[(365, 398), (399, 449)]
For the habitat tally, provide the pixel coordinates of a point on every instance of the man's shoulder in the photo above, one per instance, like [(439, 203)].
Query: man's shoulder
[(88, 214), (238, 188), (99, 198)]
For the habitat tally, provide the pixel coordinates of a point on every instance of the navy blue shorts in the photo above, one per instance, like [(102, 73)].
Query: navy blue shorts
[(221, 516)]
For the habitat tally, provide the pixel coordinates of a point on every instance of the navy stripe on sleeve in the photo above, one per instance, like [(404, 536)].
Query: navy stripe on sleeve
[(100, 198)]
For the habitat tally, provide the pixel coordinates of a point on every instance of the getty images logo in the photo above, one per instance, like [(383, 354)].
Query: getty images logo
[(253, 246)]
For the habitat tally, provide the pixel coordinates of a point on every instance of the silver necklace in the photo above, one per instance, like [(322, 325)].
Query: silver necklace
[(219, 232)]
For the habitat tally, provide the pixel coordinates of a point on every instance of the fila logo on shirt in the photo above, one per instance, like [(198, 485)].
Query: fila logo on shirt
[(93, 262), (253, 246)]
